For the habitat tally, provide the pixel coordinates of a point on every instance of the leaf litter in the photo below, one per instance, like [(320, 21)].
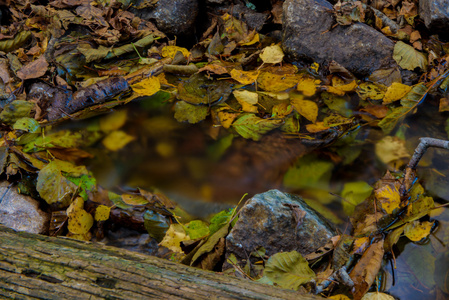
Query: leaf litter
[(246, 100)]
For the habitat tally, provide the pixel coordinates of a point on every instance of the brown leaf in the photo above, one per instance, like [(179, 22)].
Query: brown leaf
[(210, 259), (365, 271), (34, 69)]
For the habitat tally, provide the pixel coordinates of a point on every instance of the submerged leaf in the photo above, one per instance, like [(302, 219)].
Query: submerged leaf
[(252, 127), (16, 110), (186, 112), (354, 193), (116, 140), (289, 270), (408, 58), (391, 120)]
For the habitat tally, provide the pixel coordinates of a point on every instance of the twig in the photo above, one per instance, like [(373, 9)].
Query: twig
[(424, 144)]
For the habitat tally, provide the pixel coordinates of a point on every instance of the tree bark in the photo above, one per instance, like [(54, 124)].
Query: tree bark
[(41, 267)]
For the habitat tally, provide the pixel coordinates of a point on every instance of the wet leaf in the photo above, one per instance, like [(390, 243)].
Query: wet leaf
[(337, 103), (308, 172), (16, 110), (170, 51), (390, 149), (252, 127), (354, 193), (377, 296), (198, 89), (416, 230), (306, 108), (186, 112), (368, 90), (308, 86), (365, 271), (409, 58), (396, 92), (276, 83), (245, 77), (388, 197), (386, 77), (272, 54), (421, 263), (197, 229), (114, 120), (63, 139), (393, 118), (102, 213), (147, 87), (392, 238), (288, 270), (247, 100), (155, 224), (80, 221), (209, 245), (226, 118), (28, 125), (173, 238), (116, 140), (53, 186)]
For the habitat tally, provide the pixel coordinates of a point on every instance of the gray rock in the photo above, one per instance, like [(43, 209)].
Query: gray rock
[(21, 212), (435, 14), (308, 34), (268, 220), (172, 17)]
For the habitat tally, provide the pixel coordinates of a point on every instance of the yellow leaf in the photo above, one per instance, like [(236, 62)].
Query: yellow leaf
[(147, 87), (396, 91), (307, 109), (272, 54), (102, 213), (244, 77), (113, 121), (360, 245), (336, 120), (388, 198), (314, 67), (276, 83), (247, 100), (369, 90), (391, 149), (317, 127), (416, 230), (444, 105), (134, 199), (170, 51), (116, 140), (339, 297), (173, 238), (253, 40), (278, 96), (339, 88), (377, 296), (226, 118), (308, 86), (80, 221)]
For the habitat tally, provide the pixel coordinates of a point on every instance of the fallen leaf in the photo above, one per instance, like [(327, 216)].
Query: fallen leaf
[(354, 193), (116, 140), (409, 58), (80, 221), (272, 54), (186, 112), (396, 92), (308, 86), (388, 197), (114, 120), (102, 213), (244, 77), (390, 149), (306, 108), (247, 100), (416, 230), (170, 51), (377, 296), (288, 270), (34, 69), (147, 87), (173, 238), (276, 83), (252, 127)]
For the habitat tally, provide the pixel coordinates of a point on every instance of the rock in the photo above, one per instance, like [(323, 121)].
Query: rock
[(268, 220), (309, 33), (435, 14), (21, 212), (172, 17)]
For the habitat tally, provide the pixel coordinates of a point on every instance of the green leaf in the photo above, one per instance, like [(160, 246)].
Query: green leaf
[(198, 89), (197, 229), (353, 194), (185, 112), (337, 103), (408, 58), (155, 224), (219, 220), (63, 139), (28, 125), (16, 110), (415, 96), (209, 245), (8, 45), (289, 270), (308, 172), (216, 150), (252, 127), (53, 186), (86, 183), (389, 122)]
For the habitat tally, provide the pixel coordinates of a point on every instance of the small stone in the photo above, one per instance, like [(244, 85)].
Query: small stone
[(278, 222), (21, 212)]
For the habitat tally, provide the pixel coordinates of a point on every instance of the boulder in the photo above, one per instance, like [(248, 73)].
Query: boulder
[(172, 17), (435, 14), (310, 32), (278, 222), (21, 212)]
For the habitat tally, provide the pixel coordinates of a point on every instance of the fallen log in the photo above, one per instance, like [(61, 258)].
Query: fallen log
[(41, 267)]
